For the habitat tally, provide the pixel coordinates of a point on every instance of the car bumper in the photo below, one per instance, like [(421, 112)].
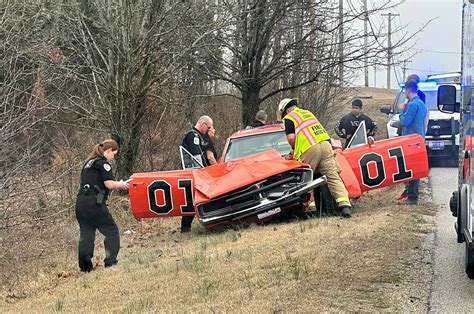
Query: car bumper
[(266, 204)]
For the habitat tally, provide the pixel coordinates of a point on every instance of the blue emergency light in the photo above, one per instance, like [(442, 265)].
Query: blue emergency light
[(424, 85)]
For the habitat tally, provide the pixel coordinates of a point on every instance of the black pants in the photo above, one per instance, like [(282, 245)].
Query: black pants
[(92, 216), (186, 222), (412, 190)]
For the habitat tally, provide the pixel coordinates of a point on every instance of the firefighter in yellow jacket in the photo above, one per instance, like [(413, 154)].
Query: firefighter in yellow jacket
[(310, 143)]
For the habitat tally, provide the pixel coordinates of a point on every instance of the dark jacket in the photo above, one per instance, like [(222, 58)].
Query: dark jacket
[(348, 124)]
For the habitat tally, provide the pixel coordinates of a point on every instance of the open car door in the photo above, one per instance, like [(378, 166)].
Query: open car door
[(165, 193), (388, 162), (385, 162), (188, 161)]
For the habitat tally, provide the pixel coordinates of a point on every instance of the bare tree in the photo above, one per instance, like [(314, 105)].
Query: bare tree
[(123, 54), (290, 43)]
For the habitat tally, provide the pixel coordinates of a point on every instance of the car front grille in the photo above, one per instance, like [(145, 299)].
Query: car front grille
[(273, 187)]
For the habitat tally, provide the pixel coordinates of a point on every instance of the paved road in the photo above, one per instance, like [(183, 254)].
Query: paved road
[(452, 291)]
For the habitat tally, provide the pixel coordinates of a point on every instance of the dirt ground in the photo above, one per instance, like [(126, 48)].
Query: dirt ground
[(379, 260)]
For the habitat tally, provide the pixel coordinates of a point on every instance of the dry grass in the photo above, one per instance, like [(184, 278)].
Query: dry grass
[(323, 264), (376, 261)]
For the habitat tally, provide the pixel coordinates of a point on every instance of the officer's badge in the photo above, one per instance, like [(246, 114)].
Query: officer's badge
[(107, 167), (196, 141)]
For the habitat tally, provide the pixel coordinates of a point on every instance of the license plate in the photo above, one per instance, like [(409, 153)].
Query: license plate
[(271, 212), (436, 145)]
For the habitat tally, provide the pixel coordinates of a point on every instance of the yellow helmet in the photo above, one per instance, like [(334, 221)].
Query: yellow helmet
[(284, 104)]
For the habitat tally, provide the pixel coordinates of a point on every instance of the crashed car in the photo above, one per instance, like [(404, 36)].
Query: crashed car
[(245, 189), (254, 181)]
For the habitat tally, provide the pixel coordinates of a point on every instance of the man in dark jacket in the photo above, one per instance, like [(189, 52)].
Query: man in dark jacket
[(348, 124), (260, 120)]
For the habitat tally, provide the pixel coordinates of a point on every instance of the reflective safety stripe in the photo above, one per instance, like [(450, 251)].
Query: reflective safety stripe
[(295, 116), (306, 124), (309, 136), (342, 199), (308, 130)]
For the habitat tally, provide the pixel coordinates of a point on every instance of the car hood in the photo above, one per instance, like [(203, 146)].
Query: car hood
[(222, 178), (434, 115), (438, 115)]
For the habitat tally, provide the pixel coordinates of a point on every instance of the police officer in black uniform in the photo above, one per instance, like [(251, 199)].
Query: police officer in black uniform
[(198, 143), (91, 209)]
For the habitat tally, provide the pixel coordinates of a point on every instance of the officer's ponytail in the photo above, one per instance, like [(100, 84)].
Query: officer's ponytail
[(99, 149)]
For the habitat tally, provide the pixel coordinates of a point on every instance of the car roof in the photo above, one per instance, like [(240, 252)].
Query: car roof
[(258, 130)]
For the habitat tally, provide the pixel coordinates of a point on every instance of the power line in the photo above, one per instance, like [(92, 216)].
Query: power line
[(436, 51)]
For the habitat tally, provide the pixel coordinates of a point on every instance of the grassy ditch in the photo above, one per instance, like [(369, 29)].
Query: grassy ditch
[(321, 264)]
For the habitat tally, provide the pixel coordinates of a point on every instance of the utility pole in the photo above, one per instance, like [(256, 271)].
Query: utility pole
[(389, 46), (375, 75), (404, 68), (366, 63), (341, 39)]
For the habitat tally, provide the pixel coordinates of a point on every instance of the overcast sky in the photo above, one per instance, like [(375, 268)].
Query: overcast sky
[(438, 46)]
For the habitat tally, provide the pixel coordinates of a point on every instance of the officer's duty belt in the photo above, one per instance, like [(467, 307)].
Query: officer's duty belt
[(87, 190)]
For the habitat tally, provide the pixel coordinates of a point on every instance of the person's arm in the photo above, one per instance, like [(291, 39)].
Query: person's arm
[(290, 132), (210, 156), (408, 114), (403, 105), (339, 128), (291, 139), (105, 171), (371, 126), (116, 185)]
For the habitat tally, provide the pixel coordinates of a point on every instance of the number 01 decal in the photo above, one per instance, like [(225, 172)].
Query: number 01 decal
[(379, 177), (167, 204)]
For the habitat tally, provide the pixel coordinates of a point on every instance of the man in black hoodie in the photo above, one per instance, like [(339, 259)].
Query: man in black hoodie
[(348, 124)]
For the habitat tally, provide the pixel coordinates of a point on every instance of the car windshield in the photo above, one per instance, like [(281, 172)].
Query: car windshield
[(431, 99), (255, 143)]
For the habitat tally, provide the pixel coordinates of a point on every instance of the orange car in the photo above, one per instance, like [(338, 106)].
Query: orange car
[(252, 182)]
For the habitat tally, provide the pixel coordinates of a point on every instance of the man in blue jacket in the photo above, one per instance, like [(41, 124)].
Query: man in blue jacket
[(412, 119)]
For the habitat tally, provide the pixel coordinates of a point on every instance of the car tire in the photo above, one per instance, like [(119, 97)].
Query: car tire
[(453, 203)]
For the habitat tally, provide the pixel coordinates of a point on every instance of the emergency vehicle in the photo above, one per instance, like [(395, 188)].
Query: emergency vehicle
[(461, 203), (442, 135)]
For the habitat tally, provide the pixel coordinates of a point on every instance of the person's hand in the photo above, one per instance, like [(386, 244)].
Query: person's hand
[(403, 105), (123, 185)]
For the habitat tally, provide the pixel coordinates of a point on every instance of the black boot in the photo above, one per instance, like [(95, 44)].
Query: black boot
[(346, 212)]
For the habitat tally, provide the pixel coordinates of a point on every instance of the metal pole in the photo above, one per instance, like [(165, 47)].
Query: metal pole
[(404, 68), (389, 46), (375, 76)]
